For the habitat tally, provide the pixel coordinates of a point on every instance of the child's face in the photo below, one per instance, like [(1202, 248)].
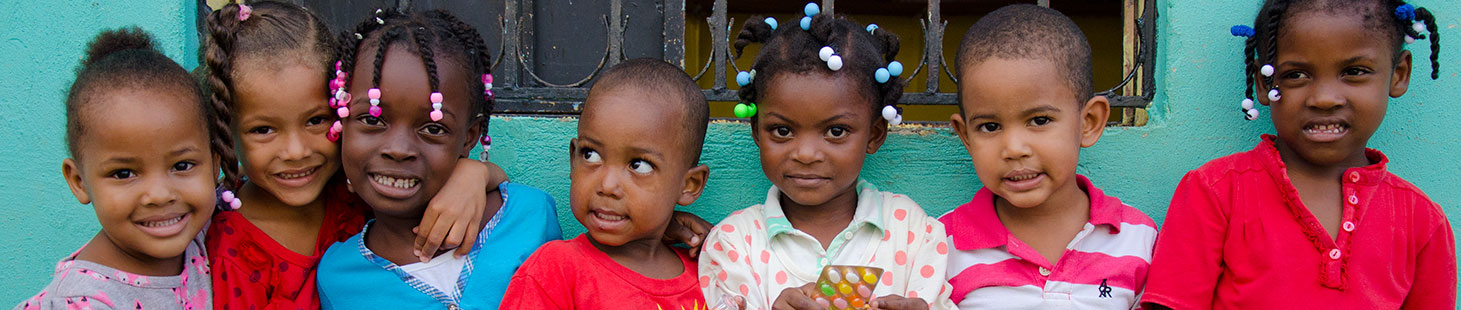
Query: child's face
[(281, 123), (398, 161), (146, 167), (630, 166), (1024, 128), (814, 131), (1335, 77)]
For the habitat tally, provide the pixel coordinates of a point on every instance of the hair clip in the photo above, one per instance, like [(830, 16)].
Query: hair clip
[(374, 94), (378, 20), (871, 27), (233, 202), (244, 11), (890, 113), (745, 110), (771, 21), (1242, 31), (436, 106), (486, 146), (1405, 12), (487, 86)]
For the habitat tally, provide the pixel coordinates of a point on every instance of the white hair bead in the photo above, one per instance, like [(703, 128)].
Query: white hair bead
[(1247, 104), (1418, 26), (1409, 39), (896, 120), (1252, 114), (889, 112), (834, 63), (1273, 95), (825, 53), (1267, 70)]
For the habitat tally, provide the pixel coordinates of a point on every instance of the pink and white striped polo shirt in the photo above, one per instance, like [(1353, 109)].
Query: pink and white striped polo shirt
[(1104, 267)]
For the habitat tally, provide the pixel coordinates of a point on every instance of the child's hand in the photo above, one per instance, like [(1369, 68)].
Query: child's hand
[(687, 228), (454, 217), (895, 302), (797, 298)]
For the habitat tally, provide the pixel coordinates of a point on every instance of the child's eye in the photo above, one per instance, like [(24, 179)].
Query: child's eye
[(314, 121), (1295, 75), (781, 132), (184, 166), (836, 132), (122, 174), (1356, 71), (641, 167), (591, 156), (434, 129), (371, 120), (988, 127), (261, 130), (1040, 121)]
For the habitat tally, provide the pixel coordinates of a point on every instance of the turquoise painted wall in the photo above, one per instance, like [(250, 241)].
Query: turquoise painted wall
[(1193, 121)]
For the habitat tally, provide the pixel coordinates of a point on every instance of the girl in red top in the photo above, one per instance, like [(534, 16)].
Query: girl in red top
[(267, 66), (1310, 218)]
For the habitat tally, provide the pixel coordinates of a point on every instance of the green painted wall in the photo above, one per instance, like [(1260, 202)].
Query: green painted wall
[(1193, 121)]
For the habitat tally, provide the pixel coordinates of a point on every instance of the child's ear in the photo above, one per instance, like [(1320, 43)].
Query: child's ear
[(473, 132), (572, 149), (880, 134), (694, 184), (72, 172), (1093, 120), (1260, 89), (959, 130), (1400, 80)]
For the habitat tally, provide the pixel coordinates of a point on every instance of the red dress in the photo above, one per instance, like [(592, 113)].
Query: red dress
[(252, 271)]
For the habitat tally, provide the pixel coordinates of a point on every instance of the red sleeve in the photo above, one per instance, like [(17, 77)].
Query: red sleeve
[(526, 291), (1188, 256), (236, 266), (1435, 269)]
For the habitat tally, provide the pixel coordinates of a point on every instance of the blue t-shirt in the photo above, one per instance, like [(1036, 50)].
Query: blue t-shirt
[(351, 276)]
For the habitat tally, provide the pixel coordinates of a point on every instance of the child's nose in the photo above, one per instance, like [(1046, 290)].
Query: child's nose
[(158, 191), (1327, 96), (610, 185), (806, 151), (1014, 145), (295, 148), (397, 148)]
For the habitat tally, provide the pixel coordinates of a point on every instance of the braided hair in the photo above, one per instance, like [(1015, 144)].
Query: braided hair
[(272, 29), (789, 49), (1378, 15), (434, 35)]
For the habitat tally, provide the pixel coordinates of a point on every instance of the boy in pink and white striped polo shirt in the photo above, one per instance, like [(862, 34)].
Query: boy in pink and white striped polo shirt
[(1037, 235)]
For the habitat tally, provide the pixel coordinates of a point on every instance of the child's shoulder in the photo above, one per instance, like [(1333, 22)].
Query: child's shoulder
[(1406, 194), (555, 258), (1113, 208)]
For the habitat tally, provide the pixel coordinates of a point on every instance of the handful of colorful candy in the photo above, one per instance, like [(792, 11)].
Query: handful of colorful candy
[(847, 287)]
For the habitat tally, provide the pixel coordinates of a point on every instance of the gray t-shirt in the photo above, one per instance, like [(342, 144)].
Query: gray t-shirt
[(79, 284)]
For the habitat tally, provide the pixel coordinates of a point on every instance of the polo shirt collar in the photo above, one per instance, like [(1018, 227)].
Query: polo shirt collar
[(869, 210), (975, 225)]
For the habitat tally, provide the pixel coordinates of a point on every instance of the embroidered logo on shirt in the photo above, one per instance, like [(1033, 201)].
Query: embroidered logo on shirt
[(1105, 290)]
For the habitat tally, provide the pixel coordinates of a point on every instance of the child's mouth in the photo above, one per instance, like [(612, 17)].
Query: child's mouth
[(394, 187), (297, 177), (163, 226), (1326, 132), (608, 221), (1023, 180)]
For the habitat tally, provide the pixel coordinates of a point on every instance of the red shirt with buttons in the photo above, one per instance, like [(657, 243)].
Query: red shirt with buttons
[(1237, 237)]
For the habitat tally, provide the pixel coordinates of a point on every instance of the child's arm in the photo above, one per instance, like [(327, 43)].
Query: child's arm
[(796, 298), (1188, 257), (454, 217), (1435, 271), (727, 276), (687, 228)]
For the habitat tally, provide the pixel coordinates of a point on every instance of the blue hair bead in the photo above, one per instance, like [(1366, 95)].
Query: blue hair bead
[(743, 78), (1405, 12), (1242, 31), (895, 68), (881, 75), (772, 22), (807, 23), (871, 27), (812, 9)]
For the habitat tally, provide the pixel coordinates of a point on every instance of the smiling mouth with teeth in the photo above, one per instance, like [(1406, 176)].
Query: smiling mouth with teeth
[(394, 182), (163, 223), (297, 175), (1327, 129), (1023, 177)]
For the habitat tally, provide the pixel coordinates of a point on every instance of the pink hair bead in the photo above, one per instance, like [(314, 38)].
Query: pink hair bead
[(343, 111), (235, 204), (374, 93), (486, 79), (375, 111), (244, 12), (338, 64), (436, 115), (228, 196), (436, 97)]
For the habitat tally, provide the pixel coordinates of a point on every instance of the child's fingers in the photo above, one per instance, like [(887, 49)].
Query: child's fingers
[(895, 302), (469, 238), (431, 240)]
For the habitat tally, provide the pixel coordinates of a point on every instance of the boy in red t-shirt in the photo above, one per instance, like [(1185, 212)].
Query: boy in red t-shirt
[(636, 156)]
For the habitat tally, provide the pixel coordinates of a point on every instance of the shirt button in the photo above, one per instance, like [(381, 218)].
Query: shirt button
[(823, 261), (1044, 272), (1354, 200), (1354, 177), (1334, 254), (1348, 226)]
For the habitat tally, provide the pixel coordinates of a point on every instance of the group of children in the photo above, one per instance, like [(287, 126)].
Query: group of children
[(346, 181)]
